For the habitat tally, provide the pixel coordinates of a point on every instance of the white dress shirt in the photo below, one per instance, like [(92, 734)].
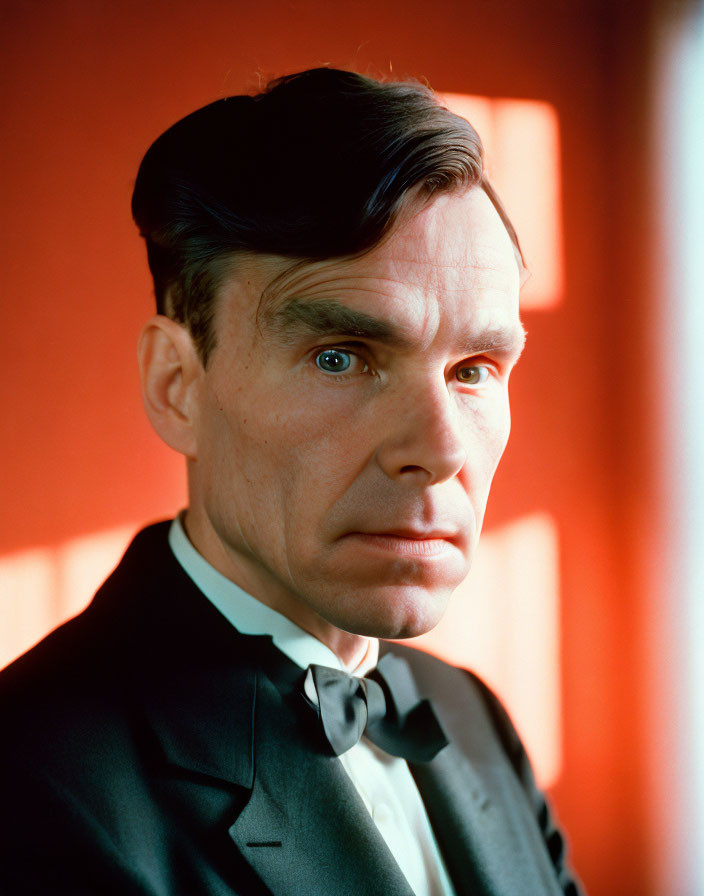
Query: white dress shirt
[(384, 782)]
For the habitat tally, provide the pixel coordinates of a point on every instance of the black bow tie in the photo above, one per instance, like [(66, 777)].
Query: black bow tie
[(384, 705)]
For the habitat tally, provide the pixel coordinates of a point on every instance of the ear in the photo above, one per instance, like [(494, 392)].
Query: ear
[(170, 370)]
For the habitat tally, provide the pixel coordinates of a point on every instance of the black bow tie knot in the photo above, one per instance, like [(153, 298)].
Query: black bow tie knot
[(384, 706)]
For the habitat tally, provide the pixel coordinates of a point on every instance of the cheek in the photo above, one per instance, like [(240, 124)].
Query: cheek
[(283, 457), (488, 429), (502, 431)]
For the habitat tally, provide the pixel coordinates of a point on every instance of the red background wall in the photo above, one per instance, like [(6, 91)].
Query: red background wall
[(88, 86)]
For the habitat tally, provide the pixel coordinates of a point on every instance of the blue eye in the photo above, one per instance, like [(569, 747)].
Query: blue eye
[(473, 376), (332, 360)]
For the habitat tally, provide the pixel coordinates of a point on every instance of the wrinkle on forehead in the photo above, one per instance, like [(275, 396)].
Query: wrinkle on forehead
[(445, 249), (393, 277)]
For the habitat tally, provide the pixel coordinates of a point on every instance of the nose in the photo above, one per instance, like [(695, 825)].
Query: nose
[(424, 440)]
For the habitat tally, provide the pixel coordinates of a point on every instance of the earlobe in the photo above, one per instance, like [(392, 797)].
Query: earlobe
[(170, 369)]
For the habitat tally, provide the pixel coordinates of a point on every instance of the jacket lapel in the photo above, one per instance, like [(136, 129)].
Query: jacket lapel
[(305, 828), (481, 818), (298, 820), (482, 839)]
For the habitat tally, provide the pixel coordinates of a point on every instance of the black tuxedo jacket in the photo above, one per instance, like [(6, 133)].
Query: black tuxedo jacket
[(149, 748)]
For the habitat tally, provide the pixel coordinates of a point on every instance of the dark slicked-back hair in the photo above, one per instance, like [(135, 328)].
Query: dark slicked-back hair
[(317, 166)]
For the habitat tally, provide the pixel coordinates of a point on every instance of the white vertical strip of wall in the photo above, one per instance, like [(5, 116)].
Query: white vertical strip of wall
[(681, 157)]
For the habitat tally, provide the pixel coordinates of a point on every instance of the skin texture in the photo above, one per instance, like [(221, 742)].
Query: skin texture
[(351, 499)]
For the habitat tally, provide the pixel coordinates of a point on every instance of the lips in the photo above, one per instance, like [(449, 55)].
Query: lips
[(417, 534), (410, 542)]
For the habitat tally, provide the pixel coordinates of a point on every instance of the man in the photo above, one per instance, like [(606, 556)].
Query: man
[(337, 287)]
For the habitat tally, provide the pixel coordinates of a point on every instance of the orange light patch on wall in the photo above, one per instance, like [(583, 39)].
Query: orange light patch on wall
[(41, 588), (503, 623), (522, 144), (28, 589)]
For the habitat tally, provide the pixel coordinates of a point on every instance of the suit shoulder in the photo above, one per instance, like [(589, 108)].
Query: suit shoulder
[(85, 638), (74, 683)]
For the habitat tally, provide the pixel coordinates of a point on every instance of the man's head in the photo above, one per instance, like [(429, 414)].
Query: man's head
[(348, 285)]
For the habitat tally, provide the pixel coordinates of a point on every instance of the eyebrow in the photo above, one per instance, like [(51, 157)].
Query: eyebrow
[(326, 317)]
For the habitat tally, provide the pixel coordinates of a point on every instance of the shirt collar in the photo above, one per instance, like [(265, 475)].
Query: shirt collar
[(251, 617)]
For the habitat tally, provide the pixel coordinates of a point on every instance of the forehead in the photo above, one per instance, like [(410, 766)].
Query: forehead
[(452, 255)]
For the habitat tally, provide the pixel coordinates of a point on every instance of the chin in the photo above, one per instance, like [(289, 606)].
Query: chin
[(395, 614)]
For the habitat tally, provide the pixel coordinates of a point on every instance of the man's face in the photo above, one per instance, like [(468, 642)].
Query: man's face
[(351, 418)]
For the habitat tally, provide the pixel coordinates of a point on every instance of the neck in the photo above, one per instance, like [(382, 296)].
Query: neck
[(351, 649)]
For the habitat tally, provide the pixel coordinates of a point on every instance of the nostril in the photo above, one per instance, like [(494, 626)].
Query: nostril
[(411, 468)]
